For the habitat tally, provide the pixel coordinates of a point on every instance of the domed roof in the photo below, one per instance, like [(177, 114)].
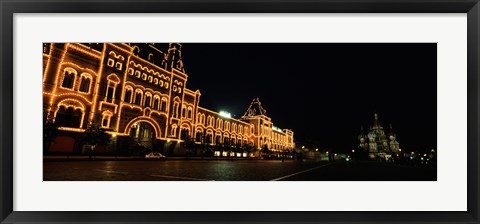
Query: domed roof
[(360, 136), (372, 134)]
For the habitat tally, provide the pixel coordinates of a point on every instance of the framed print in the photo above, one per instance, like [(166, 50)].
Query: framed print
[(199, 111)]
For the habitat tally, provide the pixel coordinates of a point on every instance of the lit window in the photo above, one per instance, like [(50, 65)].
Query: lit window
[(155, 103), (144, 76), (189, 115), (110, 62), (106, 120), (161, 83), (166, 85), (150, 78), (68, 79), (174, 130), (110, 91), (130, 71), (155, 81), (175, 109), (137, 74), (138, 97), (68, 117), (118, 65), (147, 101), (84, 85), (163, 107), (128, 95)]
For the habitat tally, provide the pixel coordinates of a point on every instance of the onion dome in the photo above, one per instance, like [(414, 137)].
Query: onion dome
[(372, 134)]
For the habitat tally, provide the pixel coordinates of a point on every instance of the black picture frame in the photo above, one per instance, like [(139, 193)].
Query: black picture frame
[(9, 8)]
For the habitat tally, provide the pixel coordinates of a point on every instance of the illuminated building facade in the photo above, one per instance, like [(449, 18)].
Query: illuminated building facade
[(138, 94), (377, 143)]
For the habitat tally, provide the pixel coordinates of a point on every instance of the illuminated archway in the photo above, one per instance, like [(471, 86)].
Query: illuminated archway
[(149, 120)]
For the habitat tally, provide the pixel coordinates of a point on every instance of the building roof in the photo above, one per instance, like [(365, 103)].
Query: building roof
[(255, 109)]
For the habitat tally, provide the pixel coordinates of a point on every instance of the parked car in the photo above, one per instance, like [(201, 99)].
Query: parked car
[(155, 155)]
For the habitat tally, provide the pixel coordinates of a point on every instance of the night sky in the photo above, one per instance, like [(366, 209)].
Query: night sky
[(324, 92)]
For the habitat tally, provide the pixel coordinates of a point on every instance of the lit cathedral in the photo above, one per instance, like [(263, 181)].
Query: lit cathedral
[(377, 143)]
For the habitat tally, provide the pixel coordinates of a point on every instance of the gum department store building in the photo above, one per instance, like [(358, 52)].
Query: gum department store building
[(138, 94)]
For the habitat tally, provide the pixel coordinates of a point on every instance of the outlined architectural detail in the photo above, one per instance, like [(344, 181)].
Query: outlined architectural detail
[(377, 143), (138, 94)]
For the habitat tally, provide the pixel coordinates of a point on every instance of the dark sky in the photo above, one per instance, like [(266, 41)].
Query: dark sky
[(324, 92)]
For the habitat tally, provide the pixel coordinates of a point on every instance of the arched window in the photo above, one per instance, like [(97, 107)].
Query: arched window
[(138, 97), (175, 109), (128, 95), (198, 136), (174, 130), (106, 119), (184, 111), (189, 114), (163, 106), (68, 78), (146, 103), (85, 83), (68, 117), (112, 82), (156, 100)]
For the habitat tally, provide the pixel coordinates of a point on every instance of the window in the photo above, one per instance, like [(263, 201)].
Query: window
[(69, 117), (155, 103), (161, 83), (138, 97), (118, 65), (147, 101), (84, 85), (174, 130), (110, 90), (175, 109), (130, 71), (163, 107), (128, 95), (198, 136), (189, 115), (113, 80), (110, 62), (106, 121), (68, 79), (137, 74), (183, 111)]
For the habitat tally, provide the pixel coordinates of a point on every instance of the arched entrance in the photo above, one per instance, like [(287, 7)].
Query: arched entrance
[(143, 134)]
